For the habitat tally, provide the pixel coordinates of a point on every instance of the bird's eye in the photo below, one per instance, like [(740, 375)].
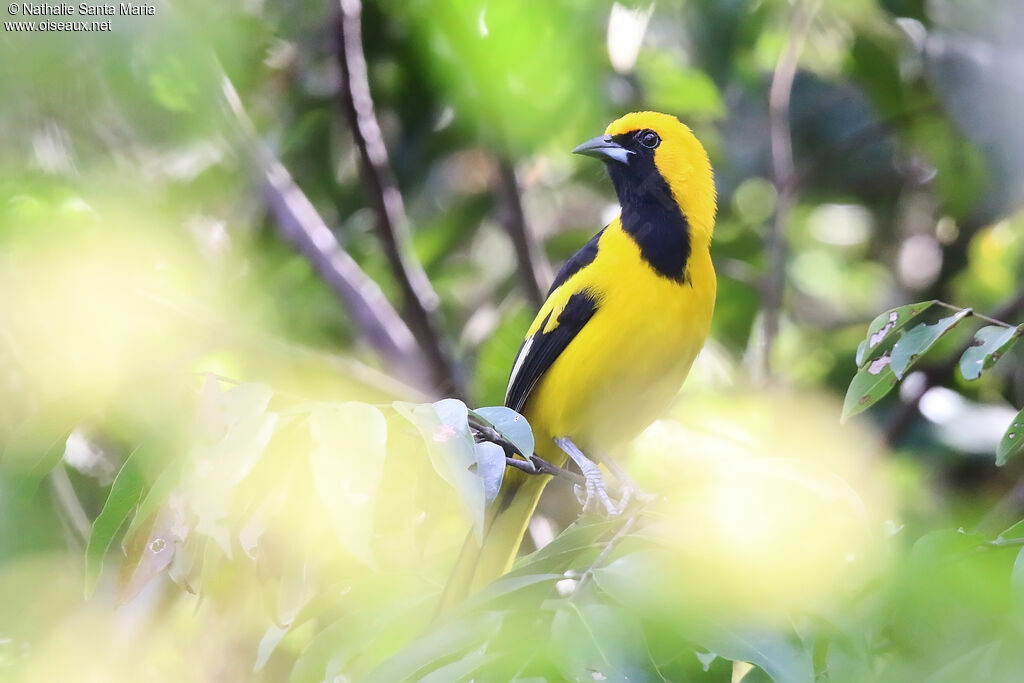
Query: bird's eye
[(649, 139)]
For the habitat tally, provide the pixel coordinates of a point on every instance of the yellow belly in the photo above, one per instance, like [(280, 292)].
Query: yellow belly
[(623, 369)]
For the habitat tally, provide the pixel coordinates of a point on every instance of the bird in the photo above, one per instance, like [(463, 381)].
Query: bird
[(617, 333)]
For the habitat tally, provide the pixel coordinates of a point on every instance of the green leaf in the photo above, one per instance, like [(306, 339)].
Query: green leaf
[(439, 644), (885, 326), (917, 341), (1013, 533), (490, 466), (444, 427), (157, 494), (510, 425), (990, 343), (1012, 443), (347, 460), (125, 494), (1017, 586), (778, 654), (869, 385), (597, 642)]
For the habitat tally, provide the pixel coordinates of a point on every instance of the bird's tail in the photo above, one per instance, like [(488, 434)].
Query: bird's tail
[(481, 562)]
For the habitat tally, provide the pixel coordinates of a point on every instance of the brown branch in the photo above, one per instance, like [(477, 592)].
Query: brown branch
[(420, 299), (533, 464), (301, 225), (533, 266), (783, 172)]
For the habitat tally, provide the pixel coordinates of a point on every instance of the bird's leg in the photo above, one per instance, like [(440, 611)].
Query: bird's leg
[(627, 486), (595, 486)]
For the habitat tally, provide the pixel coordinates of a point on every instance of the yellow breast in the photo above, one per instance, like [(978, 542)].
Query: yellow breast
[(628, 362)]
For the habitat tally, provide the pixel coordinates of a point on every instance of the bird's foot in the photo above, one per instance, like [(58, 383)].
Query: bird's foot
[(595, 491)]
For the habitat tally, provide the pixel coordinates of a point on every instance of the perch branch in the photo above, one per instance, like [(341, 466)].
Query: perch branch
[(301, 225), (783, 172), (420, 300), (531, 465), (533, 266)]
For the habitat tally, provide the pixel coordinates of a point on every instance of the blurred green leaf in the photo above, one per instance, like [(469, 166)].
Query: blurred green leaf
[(677, 88), (869, 385), (125, 494), (444, 427), (919, 340), (1012, 443), (779, 655), (884, 327), (347, 463), (592, 641), (438, 645), (990, 343)]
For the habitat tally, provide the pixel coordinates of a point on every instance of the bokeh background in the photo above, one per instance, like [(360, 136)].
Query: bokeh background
[(234, 234)]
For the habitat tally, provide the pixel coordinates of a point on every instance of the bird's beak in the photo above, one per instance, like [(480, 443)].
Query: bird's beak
[(603, 147)]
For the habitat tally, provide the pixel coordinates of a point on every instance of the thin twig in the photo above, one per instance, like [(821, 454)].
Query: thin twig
[(420, 300), (534, 269), (74, 514), (301, 225), (975, 314), (533, 464), (783, 171)]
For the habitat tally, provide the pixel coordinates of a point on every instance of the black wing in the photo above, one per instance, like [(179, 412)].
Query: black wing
[(539, 351), (584, 257)]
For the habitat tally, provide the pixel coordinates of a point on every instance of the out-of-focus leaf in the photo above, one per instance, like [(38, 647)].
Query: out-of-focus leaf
[(505, 586), (490, 466), (38, 444), (510, 425), (558, 555), (869, 385), (592, 641), (918, 340), (1012, 443), (222, 465), (678, 88), (884, 327), (990, 343), (348, 464), (439, 644), (1017, 586), (125, 494), (150, 554), (778, 654), (165, 483), (1013, 533), (462, 668), (445, 429), (268, 643)]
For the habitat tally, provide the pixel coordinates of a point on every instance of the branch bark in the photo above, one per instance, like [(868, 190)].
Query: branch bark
[(783, 174), (534, 270), (420, 301), (301, 225)]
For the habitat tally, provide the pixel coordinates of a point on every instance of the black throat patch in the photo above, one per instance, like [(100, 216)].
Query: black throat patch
[(650, 214)]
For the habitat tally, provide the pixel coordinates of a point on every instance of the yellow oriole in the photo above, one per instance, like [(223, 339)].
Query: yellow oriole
[(620, 328)]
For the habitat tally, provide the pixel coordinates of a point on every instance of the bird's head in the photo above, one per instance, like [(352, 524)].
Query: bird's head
[(644, 148)]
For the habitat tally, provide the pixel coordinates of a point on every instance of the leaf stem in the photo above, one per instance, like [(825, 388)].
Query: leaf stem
[(980, 316)]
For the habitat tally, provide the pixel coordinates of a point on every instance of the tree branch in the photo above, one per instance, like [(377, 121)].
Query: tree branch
[(534, 269), (533, 464), (420, 299), (783, 172), (301, 225)]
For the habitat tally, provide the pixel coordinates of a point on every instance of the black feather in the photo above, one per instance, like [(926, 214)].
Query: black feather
[(582, 258), (547, 346)]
